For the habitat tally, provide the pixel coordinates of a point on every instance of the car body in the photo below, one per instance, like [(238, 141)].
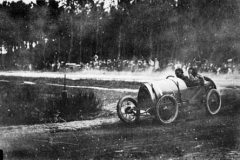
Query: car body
[(163, 97)]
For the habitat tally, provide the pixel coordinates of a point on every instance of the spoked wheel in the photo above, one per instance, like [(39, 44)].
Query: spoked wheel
[(166, 109), (127, 110), (213, 102)]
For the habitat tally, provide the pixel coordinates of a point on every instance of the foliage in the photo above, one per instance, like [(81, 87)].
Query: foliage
[(75, 107), (78, 29), (30, 104)]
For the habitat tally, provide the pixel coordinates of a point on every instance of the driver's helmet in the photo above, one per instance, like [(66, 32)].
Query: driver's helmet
[(179, 72), (193, 71)]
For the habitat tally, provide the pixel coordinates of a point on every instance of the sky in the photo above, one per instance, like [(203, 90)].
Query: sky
[(25, 1), (34, 1), (106, 6)]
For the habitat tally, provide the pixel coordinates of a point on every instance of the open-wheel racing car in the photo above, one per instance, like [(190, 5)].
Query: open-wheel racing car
[(163, 98)]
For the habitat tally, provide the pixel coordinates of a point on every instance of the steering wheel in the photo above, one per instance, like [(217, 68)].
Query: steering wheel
[(170, 76)]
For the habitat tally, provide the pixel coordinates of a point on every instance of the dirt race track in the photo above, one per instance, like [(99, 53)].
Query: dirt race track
[(194, 135)]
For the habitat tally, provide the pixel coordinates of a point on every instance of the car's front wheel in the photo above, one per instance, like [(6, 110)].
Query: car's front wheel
[(127, 110), (166, 109)]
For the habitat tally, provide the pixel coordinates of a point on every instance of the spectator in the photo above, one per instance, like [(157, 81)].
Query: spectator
[(58, 65), (156, 65), (177, 65), (95, 58), (151, 64), (145, 65)]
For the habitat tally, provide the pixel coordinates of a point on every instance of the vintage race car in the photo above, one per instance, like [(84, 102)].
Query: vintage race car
[(163, 98)]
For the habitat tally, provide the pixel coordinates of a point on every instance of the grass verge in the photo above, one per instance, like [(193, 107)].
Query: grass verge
[(32, 104)]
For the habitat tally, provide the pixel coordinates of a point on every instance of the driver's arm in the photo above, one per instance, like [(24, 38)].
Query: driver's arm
[(201, 79), (187, 81)]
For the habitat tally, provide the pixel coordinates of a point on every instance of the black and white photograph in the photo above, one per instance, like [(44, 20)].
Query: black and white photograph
[(119, 79)]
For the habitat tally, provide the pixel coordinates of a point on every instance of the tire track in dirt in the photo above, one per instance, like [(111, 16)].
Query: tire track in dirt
[(55, 127)]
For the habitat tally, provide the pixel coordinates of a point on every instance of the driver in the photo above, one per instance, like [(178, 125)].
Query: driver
[(195, 78), (180, 74)]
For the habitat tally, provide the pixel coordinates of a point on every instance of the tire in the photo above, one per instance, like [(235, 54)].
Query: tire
[(166, 109), (127, 110), (213, 102)]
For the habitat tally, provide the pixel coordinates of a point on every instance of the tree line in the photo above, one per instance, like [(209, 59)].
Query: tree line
[(75, 30)]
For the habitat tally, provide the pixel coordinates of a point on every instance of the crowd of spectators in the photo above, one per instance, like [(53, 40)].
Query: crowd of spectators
[(224, 68), (117, 65), (135, 65), (152, 65)]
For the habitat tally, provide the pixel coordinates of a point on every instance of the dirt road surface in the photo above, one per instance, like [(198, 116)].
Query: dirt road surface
[(194, 135)]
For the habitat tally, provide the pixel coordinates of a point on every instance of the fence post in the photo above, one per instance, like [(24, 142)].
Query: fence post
[(64, 91)]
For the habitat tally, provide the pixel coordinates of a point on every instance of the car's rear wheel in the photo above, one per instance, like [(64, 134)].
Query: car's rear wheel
[(213, 102), (127, 110), (166, 109)]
